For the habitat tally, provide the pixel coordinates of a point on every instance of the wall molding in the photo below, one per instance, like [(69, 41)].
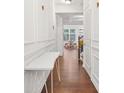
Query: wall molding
[(87, 46), (96, 77), (95, 57), (94, 40), (87, 67), (29, 42), (95, 82), (87, 70), (38, 49), (28, 58), (95, 48), (88, 39), (87, 64), (40, 41)]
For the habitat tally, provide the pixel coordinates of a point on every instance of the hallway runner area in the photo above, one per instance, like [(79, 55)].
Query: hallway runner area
[(74, 78)]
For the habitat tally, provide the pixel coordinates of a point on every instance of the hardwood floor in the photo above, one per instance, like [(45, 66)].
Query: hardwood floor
[(74, 78)]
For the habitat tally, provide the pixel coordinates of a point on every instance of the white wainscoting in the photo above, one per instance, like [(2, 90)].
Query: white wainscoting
[(87, 41), (34, 81), (87, 59), (91, 41), (36, 49), (95, 63), (40, 36)]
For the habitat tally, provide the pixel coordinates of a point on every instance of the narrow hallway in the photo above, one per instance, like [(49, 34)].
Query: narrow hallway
[(74, 79), (51, 25)]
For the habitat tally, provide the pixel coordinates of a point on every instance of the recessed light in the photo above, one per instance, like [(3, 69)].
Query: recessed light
[(68, 1)]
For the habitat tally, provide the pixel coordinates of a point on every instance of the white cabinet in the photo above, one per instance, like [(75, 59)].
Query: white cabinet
[(43, 19), (39, 18)]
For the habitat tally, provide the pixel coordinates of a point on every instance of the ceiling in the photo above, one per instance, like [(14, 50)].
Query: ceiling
[(73, 2), (72, 18)]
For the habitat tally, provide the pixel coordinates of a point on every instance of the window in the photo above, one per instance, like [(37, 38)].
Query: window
[(66, 31), (72, 31), (66, 37), (69, 34), (72, 34), (72, 37), (66, 34)]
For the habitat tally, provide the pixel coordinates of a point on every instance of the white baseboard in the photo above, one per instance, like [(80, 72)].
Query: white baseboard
[(96, 84)]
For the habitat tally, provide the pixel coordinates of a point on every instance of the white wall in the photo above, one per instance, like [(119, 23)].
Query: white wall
[(39, 33), (77, 28), (40, 37), (59, 37), (74, 7), (68, 9), (95, 45), (91, 40), (87, 41)]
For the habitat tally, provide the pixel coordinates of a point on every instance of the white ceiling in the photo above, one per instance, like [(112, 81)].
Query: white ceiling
[(74, 2), (72, 18)]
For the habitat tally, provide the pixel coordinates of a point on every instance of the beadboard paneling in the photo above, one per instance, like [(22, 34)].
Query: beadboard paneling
[(34, 80)]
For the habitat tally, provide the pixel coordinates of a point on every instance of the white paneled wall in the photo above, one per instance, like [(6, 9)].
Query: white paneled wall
[(40, 28), (59, 39), (95, 44), (91, 40), (87, 40), (40, 37), (34, 81), (68, 9)]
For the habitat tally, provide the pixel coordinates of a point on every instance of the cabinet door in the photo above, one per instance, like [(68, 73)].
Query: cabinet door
[(51, 20), (43, 19)]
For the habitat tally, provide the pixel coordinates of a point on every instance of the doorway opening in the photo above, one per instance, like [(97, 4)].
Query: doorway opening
[(72, 31)]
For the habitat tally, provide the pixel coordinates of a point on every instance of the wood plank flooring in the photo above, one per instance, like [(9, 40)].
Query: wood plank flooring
[(74, 78)]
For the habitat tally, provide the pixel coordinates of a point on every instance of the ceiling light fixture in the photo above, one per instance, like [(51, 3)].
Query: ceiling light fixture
[(68, 1), (78, 16)]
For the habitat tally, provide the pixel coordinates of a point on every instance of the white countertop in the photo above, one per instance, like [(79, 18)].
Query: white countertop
[(44, 62)]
